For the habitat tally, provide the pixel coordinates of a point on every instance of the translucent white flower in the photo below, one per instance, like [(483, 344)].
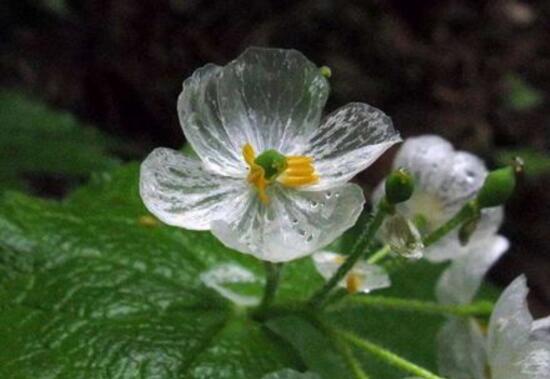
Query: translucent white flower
[(363, 277), (271, 178), (445, 180), (461, 342), (515, 346)]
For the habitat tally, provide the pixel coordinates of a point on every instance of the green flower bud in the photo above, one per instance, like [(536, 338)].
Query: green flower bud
[(497, 188), (399, 186), (326, 71)]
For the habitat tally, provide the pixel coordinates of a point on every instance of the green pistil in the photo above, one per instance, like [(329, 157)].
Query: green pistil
[(273, 163)]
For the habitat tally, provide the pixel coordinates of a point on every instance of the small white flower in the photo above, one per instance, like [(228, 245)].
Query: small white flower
[(271, 178), (516, 347), (363, 277), (445, 180), (461, 342), (522, 348)]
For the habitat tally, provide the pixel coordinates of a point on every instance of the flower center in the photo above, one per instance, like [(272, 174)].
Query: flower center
[(271, 166)]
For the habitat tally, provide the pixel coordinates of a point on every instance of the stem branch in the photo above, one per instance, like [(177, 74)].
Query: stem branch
[(272, 276), (387, 356), (479, 308), (363, 242), (467, 211)]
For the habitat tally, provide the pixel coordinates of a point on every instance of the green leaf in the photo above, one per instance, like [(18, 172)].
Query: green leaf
[(94, 287), (37, 141), (521, 96), (99, 293)]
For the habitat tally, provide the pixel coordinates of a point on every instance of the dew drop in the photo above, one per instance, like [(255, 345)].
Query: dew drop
[(301, 232), (328, 194), (309, 238), (314, 204), (294, 221)]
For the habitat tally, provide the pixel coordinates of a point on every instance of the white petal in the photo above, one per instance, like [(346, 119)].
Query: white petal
[(445, 179), (461, 350), (540, 329), (460, 282), (293, 224), (449, 247), (349, 140), (226, 279), (509, 326), (181, 192), (271, 98), (534, 361), (200, 117), (370, 277)]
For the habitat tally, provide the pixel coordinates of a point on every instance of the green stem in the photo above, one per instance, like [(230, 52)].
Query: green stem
[(350, 359), (479, 308), (379, 255), (467, 211), (387, 356), (272, 276), (363, 242)]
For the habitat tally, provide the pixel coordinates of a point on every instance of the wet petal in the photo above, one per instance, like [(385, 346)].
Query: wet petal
[(509, 326), (233, 282), (461, 350), (445, 179), (349, 140), (367, 277), (271, 98), (181, 192), (200, 117), (293, 224), (449, 247), (460, 282)]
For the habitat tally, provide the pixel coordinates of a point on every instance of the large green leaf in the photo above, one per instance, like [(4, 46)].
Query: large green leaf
[(93, 287), (37, 141)]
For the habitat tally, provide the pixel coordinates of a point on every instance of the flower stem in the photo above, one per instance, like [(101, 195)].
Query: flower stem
[(363, 242), (379, 255), (479, 308), (387, 356), (272, 276), (350, 359), (467, 211)]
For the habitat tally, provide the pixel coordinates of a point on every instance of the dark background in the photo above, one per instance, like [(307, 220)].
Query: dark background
[(475, 72)]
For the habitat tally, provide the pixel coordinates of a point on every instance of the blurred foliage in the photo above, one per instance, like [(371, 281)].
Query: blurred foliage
[(37, 142), (94, 286), (520, 95)]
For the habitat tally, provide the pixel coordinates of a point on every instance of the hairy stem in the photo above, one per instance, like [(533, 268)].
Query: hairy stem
[(467, 211), (479, 308), (363, 243), (387, 356), (272, 276)]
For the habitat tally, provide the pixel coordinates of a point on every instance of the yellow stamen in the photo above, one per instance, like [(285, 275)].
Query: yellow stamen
[(299, 171), (353, 283), (256, 176)]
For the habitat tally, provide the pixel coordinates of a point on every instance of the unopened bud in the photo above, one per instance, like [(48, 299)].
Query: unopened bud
[(399, 186), (497, 188)]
